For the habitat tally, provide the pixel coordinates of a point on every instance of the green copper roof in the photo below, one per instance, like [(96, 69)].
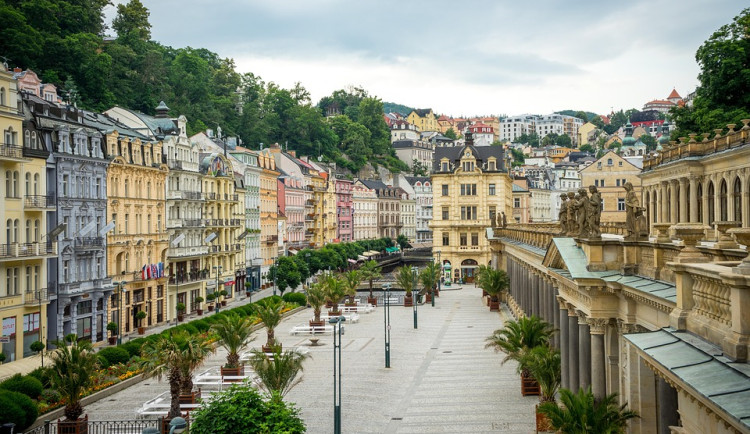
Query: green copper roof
[(702, 367)]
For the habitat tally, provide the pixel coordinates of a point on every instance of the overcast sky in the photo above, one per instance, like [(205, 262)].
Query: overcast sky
[(459, 57)]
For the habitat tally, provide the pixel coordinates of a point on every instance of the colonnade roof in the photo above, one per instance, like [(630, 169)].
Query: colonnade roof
[(701, 367)]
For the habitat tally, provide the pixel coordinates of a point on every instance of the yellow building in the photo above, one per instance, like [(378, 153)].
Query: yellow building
[(137, 247), (222, 226), (609, 174), (23, 244), (269, 212), (423, 119), (584, 132), (471, 187)]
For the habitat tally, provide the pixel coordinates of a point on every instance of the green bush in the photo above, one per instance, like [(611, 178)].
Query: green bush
[(190, 328), (50, 395), (27, 385), (295, 297), (114, 356), (202, 325), (42, 374), (17, 408), (274, 299), (133, 348)]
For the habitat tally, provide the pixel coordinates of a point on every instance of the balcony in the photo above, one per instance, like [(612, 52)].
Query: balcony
[(210, 196), (88, 243), (189, 276), (272, 239), (39, 201), (235, 222), (184, 223), (231, 197), (176, 252), (36, 297), (27, 250), (187, 195), (11, 152)]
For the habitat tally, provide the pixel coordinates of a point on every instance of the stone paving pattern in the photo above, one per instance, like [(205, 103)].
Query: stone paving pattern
[(441, 380)]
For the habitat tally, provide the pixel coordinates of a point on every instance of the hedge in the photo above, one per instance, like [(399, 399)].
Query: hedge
[(27, 385), (295, 297), (17, 408), (113, 356)]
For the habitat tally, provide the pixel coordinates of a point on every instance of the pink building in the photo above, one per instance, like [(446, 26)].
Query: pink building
[(344, 208), (291, 199)]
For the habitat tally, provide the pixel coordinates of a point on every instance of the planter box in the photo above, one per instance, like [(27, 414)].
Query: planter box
[(408, 301), (223, 303), (141, 330), (233, 372), (529, 386), (334, 313), (180, 317), (210, 307), (190, 398), (373, 301), (494, 306), (200, 312), (80, 426), (317, 323), (329, 304), (112, 340)]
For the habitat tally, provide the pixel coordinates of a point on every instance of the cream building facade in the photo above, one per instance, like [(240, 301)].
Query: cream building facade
[(365, 217), (609, 174), (269, 214)]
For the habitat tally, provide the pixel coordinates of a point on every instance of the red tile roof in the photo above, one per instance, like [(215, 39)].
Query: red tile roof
[(674, 94)]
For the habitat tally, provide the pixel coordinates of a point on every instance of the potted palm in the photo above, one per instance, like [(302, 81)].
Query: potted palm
[(210, 298), (180, 311), (198, 308), (234, 333), (429, 279), (543, 363), (335, 291), (316, 297), (516, 339), (112, 329), (223, 294), (493, 282), (72, 373), (405, 280), (351, 282), (270, 316), (277, 375), (582, 413), (370, 271), (140, 316), (248, 289)]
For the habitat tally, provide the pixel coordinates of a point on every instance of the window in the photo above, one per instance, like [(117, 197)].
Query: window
[(446, 239), (65, 182), (620, 204), (619, 163), (516, 202), (601, 183), (462, 239), (492, 190), (468, 189), (469, 213), (446, 214), (492, 165), (474, 239), (444, 166), (445, 189), (493, 213), (127, 221), (468, 166), (609, 161), (618, 182)]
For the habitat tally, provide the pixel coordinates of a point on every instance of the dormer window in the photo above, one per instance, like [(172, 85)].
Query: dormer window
[(468, 166)]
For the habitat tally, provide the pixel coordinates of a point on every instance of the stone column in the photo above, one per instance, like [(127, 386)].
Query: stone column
[(693, 199), (555, 318), (683, 200), (666, 401), (573, 379), (584, 352), (673, 202), (598, 368), (535, 294), (564, 342), (717, 199), (704, 199), (663, 203)]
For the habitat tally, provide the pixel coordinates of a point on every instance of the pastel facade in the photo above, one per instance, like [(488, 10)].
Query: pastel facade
[(365, 212), (423, 119), (423, 208), (609, 174), (344, 210), (269, 214)]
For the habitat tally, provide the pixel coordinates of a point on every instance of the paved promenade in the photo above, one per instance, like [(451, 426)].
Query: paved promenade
[(441, 379)]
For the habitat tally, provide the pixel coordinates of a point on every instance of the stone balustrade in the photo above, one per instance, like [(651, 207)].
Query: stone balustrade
[(535, 234)]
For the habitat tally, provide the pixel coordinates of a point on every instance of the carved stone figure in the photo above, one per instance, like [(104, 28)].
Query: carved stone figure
[(635, 218), (581, 214), (562, 216), (496, 221), (505, 222), (594, 212), (571, 218)]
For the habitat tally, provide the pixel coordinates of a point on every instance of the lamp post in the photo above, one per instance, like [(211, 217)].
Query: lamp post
[(218, 293), (387, 322), (119, 310), (337, 320), (440, 278), (177, 290), (307, 281), (275, 270), (416, 297)]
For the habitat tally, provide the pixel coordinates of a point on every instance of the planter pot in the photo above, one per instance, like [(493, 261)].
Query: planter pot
[(529, 386), (180, 317), (543, 424), (428, 298), (233, 372), (80, 426), (372, 300), (334, 312), (484, 293), (141, 330), (314, 323), (494, 305), (271, 349), (200, 311), (210, 307), (190, 398), (350, 304), (112, 340), (408, 301), (248, 293)]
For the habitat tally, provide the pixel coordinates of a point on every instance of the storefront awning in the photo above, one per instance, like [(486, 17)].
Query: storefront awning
[(352, 261)]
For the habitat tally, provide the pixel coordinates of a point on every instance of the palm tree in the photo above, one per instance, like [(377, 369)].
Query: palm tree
[(270, 315), (370, 271), (72, 372), (429, 277), (405, 279), (234, 333), (195, 350), (351, 282), (493, 282), (164, 356), (581, 413), (316, 297), (335, 290), (278, 373), (544, 364), (518, 337)]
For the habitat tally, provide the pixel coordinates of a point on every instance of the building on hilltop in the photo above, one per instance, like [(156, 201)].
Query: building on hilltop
[(423, 119), (484, 134), (665, 105)]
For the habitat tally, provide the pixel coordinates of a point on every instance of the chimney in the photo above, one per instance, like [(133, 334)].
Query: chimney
[(17, 69)]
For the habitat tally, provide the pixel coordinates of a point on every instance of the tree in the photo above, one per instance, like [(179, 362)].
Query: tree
[(402, 241), (649, 141), (277, 374), (582, 116), (451, 134), (419, 169), (597, 121), (518, 157), (370, 271), (519, 336), (316, 297), (351, 280), (234, 333), (586, 148), (581, 413), (73, 368), (335, 290), (270, 315), (528, 139), (405, 279), (132, 19), (371, 117), (241, 409), (430, 276), (286, 273), (544, 364), (492, 281)]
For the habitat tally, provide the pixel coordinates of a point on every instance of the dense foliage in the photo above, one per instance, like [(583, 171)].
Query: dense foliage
[(62, 40), (17, 408), (27, 385), (581, 413)]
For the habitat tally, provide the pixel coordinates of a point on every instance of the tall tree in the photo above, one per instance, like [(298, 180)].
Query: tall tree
[(132, 19)]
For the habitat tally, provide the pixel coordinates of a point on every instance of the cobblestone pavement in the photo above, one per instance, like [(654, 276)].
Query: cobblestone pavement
[(441, 380)]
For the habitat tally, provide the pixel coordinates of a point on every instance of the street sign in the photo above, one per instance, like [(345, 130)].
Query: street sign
[(4, 339)]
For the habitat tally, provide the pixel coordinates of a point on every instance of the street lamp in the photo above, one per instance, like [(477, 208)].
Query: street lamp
[(307, 281), (416, 298), (119, 310), (387, 322), (440, 278), (216, 290), (275, 270), (337, 320), (177, 425)]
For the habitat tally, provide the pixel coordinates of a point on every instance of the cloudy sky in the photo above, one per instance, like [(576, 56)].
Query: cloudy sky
[(459, 58)]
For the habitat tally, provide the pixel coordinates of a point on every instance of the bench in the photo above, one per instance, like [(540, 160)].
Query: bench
[(367, 308), (311, 330), (392, 301), (160, 405)]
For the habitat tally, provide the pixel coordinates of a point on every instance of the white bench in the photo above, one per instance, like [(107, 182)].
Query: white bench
[(311, 330), (160, 406), (366, 308), (392, 301)]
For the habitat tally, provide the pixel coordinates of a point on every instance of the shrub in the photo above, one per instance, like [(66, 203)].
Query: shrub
[(43, 375), (133, 347), (202, 325), (295, 297), (114, 356), (50, 395), (190, 329), (17, 408), (36, 346), (27, 385), (274, 299)]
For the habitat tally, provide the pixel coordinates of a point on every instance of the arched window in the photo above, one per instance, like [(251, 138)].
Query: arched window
[(9, 231), (28, 183), (711, 204), (36, 184), (737, 198), (127, 262), (723, 201), (33, 139), (15, 183), (2, 96), (8, 184), (127, 187), (16, 223), (26, 138)]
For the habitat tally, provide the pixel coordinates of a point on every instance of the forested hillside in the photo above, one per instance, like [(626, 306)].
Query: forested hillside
[(62, 40)]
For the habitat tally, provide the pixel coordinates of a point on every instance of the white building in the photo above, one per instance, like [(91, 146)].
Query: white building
[(402, 130), (484, 135), (513, 127), (365, 214), (423, 194)]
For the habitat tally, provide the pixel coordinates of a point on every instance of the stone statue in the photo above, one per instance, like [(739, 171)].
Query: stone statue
[(505, 222), (496, 221), (562, 216), (581, 213), (635, 218), (594, 212), (571, 218)]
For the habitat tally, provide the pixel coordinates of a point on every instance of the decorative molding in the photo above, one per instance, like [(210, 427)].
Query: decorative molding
[(598, 326)]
